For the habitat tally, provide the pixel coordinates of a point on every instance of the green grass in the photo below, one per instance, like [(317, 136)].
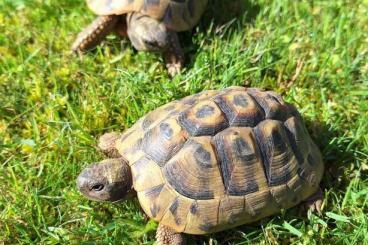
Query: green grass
[(54, 105)]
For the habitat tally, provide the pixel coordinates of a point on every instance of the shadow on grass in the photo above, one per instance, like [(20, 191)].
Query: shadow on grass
[(224, 18)]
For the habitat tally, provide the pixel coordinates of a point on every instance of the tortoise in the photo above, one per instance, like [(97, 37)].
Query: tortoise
[(151, 25), (209, 162)]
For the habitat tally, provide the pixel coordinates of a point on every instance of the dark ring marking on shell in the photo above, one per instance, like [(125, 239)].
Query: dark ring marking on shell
[(250, 118), (195, 128), (243, 151), (205, 111), (203, 157), (240, 100), (166, 130)]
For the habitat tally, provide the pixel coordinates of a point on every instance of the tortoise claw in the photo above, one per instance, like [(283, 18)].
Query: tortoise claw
[(174, 56), (314, 202), (174, 68)]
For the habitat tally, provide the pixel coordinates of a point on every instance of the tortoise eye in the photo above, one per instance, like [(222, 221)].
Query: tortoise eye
[(97, 187), (150, 43)]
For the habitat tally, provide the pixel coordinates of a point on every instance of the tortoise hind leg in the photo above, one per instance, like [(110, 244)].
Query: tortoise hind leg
[(167, 236), (314, 202), (106, 143), (174, 55), (93, 34)]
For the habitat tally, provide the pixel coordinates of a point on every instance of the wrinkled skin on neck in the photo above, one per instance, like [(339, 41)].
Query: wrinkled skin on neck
[(109, 180)]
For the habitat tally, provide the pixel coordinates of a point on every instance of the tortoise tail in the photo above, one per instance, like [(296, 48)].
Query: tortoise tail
[(92, 35)]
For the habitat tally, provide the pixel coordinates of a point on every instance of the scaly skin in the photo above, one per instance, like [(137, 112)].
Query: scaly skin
[(167, 236), (93, 34), (106, 144)]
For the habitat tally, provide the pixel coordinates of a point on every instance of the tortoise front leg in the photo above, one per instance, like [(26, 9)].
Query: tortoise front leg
[(173, 55), (167, 236), (93, 34), (106, 143)]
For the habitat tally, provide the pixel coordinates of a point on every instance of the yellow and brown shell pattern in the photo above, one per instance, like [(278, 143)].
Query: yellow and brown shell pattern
[(219, 159), (178, 15)]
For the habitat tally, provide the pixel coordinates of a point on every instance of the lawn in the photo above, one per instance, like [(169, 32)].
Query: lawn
[(54, 105)]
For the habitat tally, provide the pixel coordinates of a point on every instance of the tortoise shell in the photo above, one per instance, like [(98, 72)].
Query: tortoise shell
[(178, 15), (219, 159)]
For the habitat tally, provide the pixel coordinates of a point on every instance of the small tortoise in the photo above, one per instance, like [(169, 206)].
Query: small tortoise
[(209, 162), (151, 25)]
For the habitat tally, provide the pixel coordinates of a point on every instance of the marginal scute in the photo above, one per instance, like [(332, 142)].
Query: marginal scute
[(156, 200), (232, 211), (142, 172), (260, 204), (241, 165), (194, 172), (240, 108), (205, 219), (204, 118), (177, 213)]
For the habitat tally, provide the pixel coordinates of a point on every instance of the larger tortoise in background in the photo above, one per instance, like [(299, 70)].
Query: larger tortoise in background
[(151, 25), (209, 162)]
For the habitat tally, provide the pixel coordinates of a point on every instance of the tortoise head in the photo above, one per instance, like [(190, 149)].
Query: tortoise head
[(146, 33), (109, 180)]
